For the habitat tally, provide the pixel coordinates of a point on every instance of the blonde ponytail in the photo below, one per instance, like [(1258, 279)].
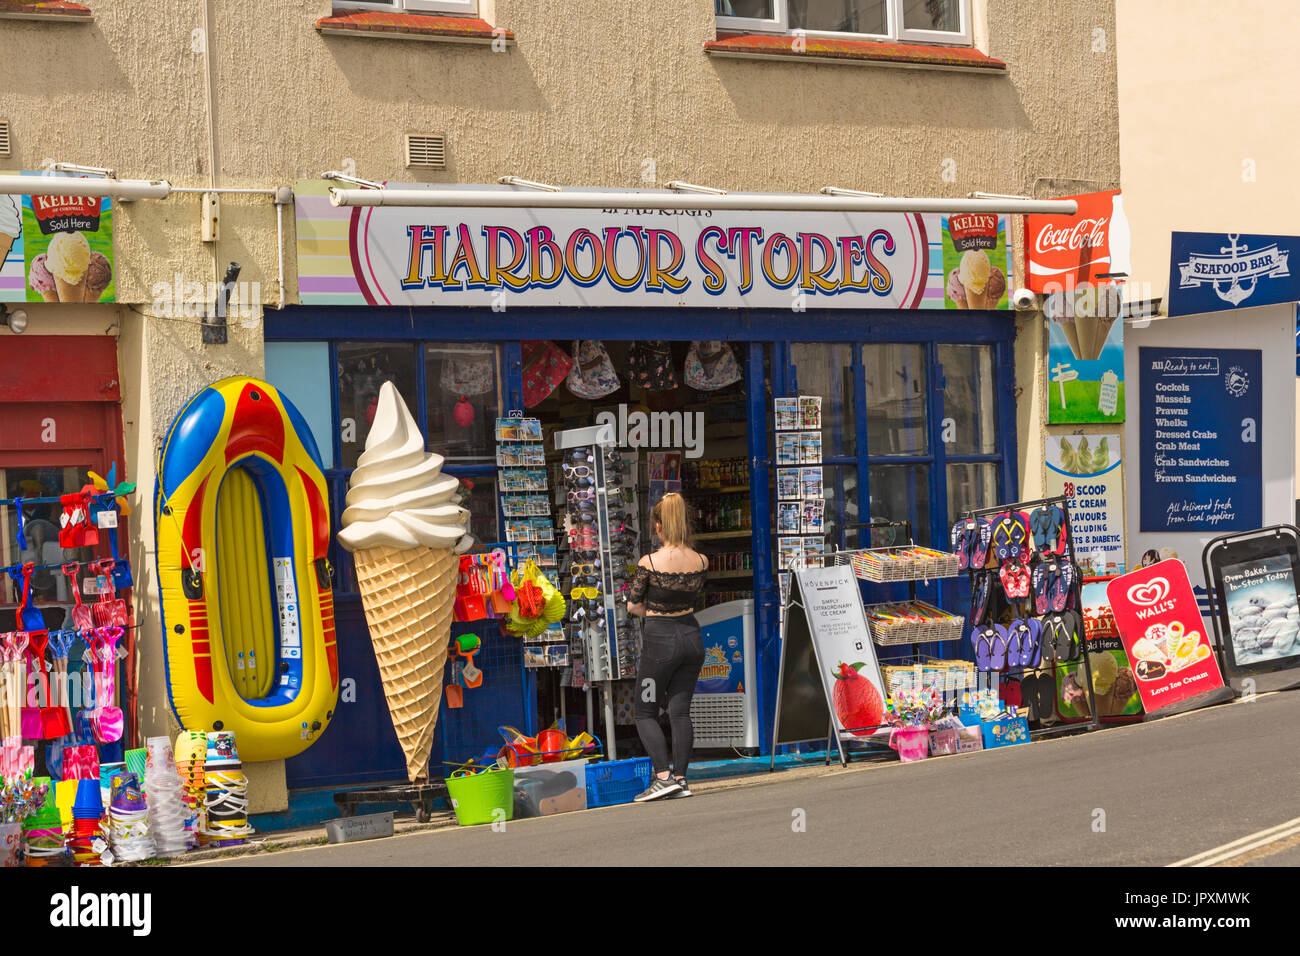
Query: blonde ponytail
[(674, 526)]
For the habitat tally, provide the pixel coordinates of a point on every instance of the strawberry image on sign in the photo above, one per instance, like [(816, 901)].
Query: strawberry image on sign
[(858, 704)]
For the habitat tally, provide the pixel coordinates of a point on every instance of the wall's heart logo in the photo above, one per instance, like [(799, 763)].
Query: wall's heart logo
[(1153, 592)]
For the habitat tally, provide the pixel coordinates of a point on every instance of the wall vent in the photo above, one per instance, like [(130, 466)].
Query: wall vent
[(426, 151), (4, 137)]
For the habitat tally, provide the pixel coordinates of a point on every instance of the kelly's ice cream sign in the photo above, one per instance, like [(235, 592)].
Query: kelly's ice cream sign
[(56, 248), (628, 257)]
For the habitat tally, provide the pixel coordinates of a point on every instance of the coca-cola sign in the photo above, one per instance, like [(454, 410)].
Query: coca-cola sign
[(1065, 251)]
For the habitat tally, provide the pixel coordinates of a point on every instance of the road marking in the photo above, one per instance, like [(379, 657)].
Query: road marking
[(1247, 844)]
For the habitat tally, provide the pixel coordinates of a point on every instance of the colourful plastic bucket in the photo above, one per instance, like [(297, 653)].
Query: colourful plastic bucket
[(483, 797)]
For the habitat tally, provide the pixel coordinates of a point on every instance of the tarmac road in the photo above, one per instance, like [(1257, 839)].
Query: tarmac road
[(1144, 795)]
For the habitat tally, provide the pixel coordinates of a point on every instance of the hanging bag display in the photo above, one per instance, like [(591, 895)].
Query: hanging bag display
[(650, 366), (592, 375), (471, 587), (470, 375), (545, 367), (711, 366)]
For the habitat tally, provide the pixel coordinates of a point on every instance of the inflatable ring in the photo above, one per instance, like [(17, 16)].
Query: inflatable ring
[(242, 525)]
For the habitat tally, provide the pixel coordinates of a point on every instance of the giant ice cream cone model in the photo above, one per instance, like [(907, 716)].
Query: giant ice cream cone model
[(405, 529)]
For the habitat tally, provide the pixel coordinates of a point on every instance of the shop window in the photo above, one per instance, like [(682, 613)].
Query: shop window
[(463, 395), (914, 21), (968, 426), (301, 370), (827, 371), (896, 399), (363, 369), (902, 493), (971, 485), (40, 523)]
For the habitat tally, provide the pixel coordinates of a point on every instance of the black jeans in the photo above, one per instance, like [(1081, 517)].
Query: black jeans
[(672, 653)]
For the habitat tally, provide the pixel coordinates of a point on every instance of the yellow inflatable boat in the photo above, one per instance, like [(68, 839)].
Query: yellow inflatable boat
[(242, 521)]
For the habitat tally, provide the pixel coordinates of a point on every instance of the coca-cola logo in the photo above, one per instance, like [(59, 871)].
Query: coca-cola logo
[(1086, 233)]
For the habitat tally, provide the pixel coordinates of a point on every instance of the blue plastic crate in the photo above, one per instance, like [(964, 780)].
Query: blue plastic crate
[(617, 781)]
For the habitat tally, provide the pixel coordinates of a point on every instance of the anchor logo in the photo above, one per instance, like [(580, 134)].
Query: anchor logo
[(1236, 293)]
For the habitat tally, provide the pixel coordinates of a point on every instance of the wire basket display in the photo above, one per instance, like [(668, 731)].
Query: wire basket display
[(910, 563), (912, 622)]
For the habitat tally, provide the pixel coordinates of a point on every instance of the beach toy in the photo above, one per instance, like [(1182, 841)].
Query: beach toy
[(466, 646), (485, 796), (240, 478)]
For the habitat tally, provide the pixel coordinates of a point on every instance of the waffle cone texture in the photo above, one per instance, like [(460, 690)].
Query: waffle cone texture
[(408, 595)]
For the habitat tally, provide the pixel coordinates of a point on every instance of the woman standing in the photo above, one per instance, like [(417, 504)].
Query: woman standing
[(665, 590)]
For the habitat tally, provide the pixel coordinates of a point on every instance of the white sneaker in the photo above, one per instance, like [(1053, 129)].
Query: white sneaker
[(657, 789)]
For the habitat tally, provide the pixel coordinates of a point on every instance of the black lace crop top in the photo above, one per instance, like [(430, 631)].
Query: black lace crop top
[(667, 592)]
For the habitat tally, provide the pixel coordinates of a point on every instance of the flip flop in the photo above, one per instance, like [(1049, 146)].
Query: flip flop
[(1000, 538), (1031, 642), (979, 597), (1063, 582), (1015, 579), (1000, 648), (1047, 525), (1015, 645), (1059, 631), (982, 639)]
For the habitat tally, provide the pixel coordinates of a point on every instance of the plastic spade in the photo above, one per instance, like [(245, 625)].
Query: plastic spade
[(86, 716), (29, 618), (109, 610), (61, 644), (108, 719), (81, 617), (53, 720)]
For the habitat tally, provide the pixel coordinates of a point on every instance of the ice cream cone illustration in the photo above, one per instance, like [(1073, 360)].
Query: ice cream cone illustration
[(11, 225), (405, 530), (39, 278), (68, 259), (98, 275)]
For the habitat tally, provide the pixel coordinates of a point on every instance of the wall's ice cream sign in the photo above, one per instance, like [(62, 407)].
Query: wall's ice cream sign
[(56, 248), (628, 257)]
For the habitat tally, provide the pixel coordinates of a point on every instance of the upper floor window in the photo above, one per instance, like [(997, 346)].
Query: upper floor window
[(910, 21), (453, 7)]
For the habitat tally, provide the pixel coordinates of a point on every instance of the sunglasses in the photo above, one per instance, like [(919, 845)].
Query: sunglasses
[(578, 483), (578, 471), (579, 496), (580, 593)]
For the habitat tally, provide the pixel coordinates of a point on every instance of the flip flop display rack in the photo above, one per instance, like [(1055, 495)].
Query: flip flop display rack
[(1020, 557)]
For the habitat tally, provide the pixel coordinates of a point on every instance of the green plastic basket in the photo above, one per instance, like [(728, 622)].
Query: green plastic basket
[(483, 797)]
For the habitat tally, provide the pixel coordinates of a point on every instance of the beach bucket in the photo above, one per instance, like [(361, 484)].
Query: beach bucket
[(11, 836), (221, 754), (89, 804), (135, 761), (552, 743), (912, 743), (486, 797)]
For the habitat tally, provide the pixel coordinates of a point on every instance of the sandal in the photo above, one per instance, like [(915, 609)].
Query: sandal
[(982, 639)]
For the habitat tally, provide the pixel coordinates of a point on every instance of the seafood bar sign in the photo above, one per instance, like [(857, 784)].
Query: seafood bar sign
[(1215, 272), (502, 257)]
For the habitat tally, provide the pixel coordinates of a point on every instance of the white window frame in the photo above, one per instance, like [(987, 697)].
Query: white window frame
[(780, 23), (467, 8)]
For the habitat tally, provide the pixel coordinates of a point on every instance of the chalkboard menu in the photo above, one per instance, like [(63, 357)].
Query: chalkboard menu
[(1201, 463)]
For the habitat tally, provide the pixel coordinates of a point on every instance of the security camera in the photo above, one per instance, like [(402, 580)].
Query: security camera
[(1023, 300)]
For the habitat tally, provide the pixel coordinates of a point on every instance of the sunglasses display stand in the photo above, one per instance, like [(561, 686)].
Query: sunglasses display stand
[(586, 467), (1074, 600)]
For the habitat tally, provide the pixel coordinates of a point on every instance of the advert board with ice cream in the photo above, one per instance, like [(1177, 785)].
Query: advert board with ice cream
[(56, 248), (1088, 471), (1256, 583), (1114, 685), (1162, 630), (827, 638)]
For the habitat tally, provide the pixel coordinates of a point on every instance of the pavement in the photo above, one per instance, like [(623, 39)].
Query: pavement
[(1141, 795)]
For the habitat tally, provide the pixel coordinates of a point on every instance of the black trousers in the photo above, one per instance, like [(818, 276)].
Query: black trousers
[(672, 653)]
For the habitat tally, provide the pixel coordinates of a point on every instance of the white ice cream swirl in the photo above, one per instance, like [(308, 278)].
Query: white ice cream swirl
[(397, 496)]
